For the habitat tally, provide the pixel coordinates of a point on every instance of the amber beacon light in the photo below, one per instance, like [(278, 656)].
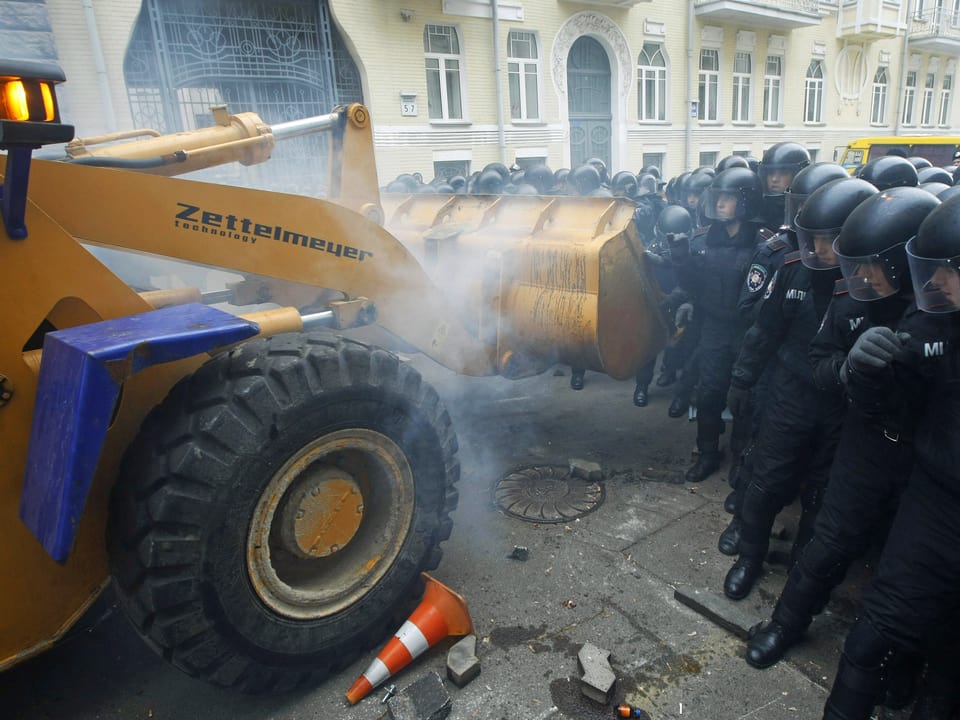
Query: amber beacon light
[(29, 119)]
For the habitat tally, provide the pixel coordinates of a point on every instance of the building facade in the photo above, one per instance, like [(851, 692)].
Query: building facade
[(455, 84)]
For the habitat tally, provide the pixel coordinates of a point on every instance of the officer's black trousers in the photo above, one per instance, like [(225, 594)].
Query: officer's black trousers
[(795, 447)]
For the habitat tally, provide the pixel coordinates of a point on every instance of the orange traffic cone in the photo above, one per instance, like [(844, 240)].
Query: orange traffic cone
[(442, 612)]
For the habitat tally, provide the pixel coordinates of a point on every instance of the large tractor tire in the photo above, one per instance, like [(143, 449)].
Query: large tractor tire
[(275, 512)]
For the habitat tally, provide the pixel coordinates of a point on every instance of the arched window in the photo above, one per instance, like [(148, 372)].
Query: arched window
[(813, 93), (652, 83), (878, 106), (441, 46), (523, 75)]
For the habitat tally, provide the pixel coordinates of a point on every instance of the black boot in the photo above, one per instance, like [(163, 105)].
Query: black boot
[(730, 502), (729, 541), (741, 577), (576, 378), (678, 407), (640, 398), (707, 463), (768, 643)]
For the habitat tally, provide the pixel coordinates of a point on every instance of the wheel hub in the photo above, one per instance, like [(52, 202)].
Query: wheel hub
[(322, 514)]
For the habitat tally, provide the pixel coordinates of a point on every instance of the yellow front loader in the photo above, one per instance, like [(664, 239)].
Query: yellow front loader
[(179, 412)]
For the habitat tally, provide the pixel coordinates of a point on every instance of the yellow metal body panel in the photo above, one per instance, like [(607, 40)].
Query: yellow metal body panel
[(49, 275)]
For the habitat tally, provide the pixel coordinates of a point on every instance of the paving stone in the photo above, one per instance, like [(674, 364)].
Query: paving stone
[(586, 470), (423, 699), (733, 616), (598, 677), (463, 665)]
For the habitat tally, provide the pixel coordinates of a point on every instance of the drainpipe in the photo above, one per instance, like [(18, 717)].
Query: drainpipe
[(904, 58), (687, 147), (103, 81), (501, 138)]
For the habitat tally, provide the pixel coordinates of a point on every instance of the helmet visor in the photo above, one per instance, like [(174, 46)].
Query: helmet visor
[(721, 205), (816, 247), (936, 281), (792, 205), (870, 277)]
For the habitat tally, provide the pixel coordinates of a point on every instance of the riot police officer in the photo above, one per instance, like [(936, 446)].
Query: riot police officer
[(713, 280), (916, 591), (795, 445), (764, 264), (874, 456), (778, 166)]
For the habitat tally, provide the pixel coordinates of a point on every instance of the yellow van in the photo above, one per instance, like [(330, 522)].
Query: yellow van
[(938, 149)]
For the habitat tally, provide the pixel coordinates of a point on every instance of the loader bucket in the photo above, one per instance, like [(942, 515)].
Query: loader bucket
[(543, 279)]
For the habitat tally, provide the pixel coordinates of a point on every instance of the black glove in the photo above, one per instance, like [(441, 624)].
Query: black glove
[(679, 244), (874, 349), (684, 315), (738, 398), (653, 258)]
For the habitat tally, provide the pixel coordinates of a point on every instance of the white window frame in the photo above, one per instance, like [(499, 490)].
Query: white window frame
[(524, 70), (447, 64), (926, 110), (910, 98), (773, 91), (878, 101), (740, 111), (709, 88), (813, 93), (946, 96), (650, 72)]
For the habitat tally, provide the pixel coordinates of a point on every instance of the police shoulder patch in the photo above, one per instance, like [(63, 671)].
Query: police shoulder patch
[(756, 278), (791, 258), (840, 287)]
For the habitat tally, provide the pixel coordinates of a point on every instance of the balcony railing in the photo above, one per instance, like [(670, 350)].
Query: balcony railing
[(936, 30), (778, 14)]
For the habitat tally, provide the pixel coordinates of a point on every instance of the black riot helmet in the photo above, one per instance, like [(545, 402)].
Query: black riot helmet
[(679, 189), (888, 171), (732, 161), (458, 183), (694, 185), (919, 163), (601, 167), (740, 183), (934, 188), (673, 220), (822, 216), (561, 180), (499, 167), (934, 258), (780, 163), (805, 182), (934, 174), (541, 177), (871, 244), (585, 179), (646, 184), (624, 184), (489, 182)]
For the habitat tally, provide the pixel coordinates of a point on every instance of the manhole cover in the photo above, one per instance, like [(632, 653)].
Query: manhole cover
[(547, 494)]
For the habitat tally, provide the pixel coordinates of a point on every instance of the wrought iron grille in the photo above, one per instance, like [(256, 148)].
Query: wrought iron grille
[(282, 59)]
